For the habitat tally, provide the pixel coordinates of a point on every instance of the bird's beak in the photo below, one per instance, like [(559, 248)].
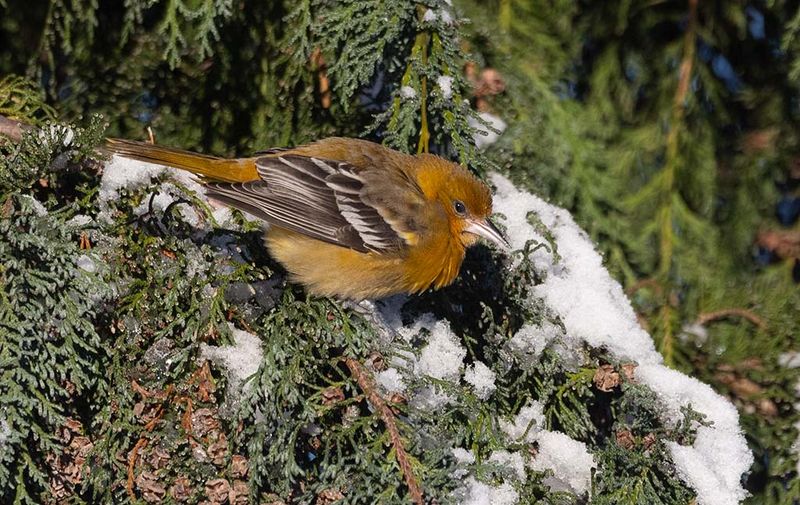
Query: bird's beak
[(484, 228)]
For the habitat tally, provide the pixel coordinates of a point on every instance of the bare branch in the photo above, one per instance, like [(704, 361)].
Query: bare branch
[(708, 317), (13, 129)]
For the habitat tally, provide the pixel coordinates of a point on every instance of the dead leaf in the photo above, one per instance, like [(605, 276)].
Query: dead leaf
[(239, 466), (181, 489), (329, 496), (606, 378), (625, 439), (217, 490), (152, 492)]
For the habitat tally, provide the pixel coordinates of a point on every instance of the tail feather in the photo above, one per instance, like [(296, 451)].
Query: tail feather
[(209, 168)]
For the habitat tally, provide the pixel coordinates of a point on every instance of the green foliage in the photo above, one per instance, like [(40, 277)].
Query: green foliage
[(19, 99), (51, 358)]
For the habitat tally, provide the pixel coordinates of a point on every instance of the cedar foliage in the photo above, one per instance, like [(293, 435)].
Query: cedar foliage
[(667, 128)]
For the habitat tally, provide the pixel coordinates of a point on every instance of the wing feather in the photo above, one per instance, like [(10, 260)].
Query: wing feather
[(324, 199)]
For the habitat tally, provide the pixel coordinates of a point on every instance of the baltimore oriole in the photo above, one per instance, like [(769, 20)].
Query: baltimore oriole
[(349, 218)]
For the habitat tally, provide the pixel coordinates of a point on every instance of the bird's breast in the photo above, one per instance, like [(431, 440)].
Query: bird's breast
[(330, 270)]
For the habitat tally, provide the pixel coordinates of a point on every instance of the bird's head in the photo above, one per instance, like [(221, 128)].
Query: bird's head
[(467, 201)]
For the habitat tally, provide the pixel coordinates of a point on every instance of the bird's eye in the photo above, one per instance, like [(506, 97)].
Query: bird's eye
[(459, 207)]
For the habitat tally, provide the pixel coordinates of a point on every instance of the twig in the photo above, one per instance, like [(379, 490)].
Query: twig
[(132, 465), (367, 384), (13, 129), (645, 283), (708, 317)]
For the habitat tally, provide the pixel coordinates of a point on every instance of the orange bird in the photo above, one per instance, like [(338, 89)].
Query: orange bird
[(349, 218)]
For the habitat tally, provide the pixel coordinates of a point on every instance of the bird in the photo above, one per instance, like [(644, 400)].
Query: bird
[(348, 218)]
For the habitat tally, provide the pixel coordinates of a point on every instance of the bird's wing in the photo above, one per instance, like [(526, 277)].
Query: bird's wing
[(328, 200)]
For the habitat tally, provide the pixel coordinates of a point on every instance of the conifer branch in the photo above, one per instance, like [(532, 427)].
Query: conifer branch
[(665, 215), (421, 45), (367, 384), (678, 114)]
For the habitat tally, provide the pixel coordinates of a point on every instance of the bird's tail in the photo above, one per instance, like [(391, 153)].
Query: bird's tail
[(209, 168)]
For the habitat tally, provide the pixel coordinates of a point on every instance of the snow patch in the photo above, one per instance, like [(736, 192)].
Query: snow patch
[(481, 378), (407, 91), (594, 309), (85, 263), (478, 493), (445, 83), (526, 424), (123, 173), (569, 460), (240, 360), (444, 355), (532, 339), (511, 460), (463, 456), (38, 207), (714, 464), (485, 136), (79, 221), (790, 359), (391, 380), (590, 303)]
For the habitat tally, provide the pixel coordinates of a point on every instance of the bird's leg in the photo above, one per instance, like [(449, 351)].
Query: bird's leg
[(370, 311)]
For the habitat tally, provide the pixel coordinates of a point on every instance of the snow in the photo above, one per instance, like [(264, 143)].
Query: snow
[(123, 173), (408, 92), (481, 377), (391, 380), (445, 83), (463, 456), (511, 460), (444, 355), (713, 465), (532, 339), (485, 136), (569, 460), (86, 263), (446, 17), (478, 493), (526, 424), (590, 303), (790, 359), (79, 221), (38, 207), (442, 358), (594, 309), (240, 360)]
